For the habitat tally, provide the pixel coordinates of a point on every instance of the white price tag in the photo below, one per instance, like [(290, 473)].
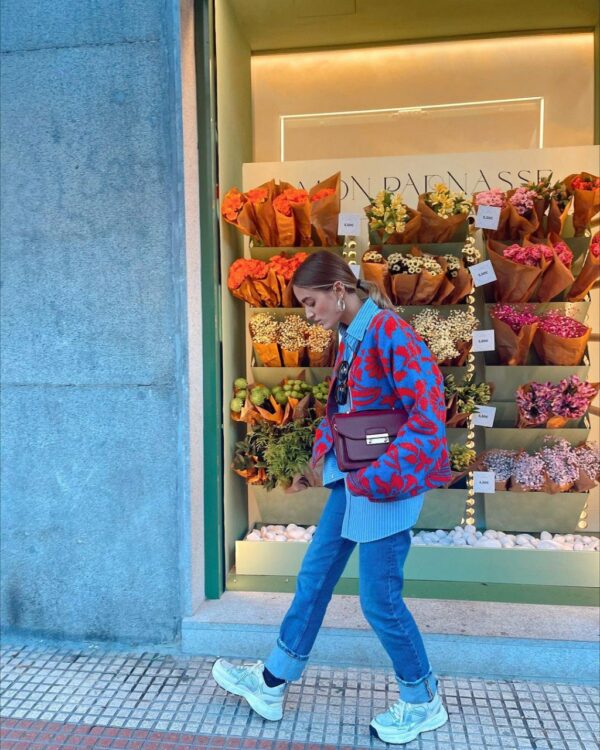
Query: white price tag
[(484, 341), (349, 224), (482, 273), (484, 481), (484, 416), (355, 268), (487, 217)]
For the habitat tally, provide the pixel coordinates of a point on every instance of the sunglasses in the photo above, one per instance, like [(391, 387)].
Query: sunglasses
[(341, 387)]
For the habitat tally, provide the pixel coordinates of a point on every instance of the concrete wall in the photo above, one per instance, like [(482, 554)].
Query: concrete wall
[(94, 394)]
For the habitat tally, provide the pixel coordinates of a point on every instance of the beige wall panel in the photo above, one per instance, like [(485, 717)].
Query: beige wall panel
[(558, 68)]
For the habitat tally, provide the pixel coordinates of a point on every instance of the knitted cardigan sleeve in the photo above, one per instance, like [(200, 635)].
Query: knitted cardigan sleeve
[(417, 460)]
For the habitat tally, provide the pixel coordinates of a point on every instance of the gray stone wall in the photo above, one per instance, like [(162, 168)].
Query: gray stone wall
[(94, 382)]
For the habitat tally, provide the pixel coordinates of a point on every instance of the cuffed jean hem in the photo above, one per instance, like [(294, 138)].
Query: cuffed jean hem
[(285, 664), (421, 691)]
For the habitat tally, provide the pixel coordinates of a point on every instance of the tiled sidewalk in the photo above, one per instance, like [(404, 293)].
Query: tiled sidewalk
[(63, 698)]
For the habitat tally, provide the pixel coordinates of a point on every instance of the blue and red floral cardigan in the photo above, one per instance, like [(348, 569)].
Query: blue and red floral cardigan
[(393, 368)]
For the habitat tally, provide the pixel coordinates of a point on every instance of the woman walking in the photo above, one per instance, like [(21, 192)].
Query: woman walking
[(381, 364)]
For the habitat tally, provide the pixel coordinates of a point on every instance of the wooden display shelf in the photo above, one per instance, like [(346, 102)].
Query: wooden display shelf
[(505, 566), (534, 511)]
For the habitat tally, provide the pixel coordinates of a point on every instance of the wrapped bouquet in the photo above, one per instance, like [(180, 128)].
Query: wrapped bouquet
[(264, 284), (391, 221), (443, 212), (449, 339), (514, 329), (585, 189), (281, 215), (560, 339), (589, 274), (554, 405)]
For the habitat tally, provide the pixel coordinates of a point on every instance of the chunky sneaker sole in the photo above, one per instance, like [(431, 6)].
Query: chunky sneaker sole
[(397, 736), (271, 712)]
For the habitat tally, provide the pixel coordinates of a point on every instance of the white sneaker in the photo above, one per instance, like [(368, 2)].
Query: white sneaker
[(248, 682), (402, 722)]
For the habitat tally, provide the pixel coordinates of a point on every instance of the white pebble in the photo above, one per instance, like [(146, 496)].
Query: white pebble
[(548, 544), (488, 543), (507, 543), (440, 534), (546, 536), (280, 538), (254, 536), (569, 538), (491, 534)]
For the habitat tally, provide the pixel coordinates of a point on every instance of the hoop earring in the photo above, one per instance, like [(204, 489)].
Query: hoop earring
[(341, 304)]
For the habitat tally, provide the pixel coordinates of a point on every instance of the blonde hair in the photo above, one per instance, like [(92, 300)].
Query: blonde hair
[(323, 268)]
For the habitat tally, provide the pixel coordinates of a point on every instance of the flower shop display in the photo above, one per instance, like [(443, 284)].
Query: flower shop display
[(532, 271), (514, 329), (554, 405), (264, 283), (463, 400), (391, 221), (589, 274), (560, 339), (291, 342), (281, 215), (449, 339), (443, 213), (585, 189)]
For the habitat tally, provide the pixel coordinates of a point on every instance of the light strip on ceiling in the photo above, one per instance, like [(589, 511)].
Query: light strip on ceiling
[(399, 110)]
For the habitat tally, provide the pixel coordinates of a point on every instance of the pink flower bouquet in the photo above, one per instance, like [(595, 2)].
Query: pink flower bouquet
[(589, 274), (561, 340), (553, 406), (514, 328)]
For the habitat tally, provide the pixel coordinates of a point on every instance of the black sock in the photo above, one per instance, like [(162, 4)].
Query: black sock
[(270, 679)]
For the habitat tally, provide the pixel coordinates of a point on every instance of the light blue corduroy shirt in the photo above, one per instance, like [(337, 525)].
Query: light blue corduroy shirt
[(366, 521)]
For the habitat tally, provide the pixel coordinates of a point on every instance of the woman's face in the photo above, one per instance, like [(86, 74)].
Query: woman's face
[(320, 305)]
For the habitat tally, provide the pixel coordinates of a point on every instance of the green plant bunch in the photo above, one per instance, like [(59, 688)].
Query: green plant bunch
[(461, 457), (281, 451), (468, 395)]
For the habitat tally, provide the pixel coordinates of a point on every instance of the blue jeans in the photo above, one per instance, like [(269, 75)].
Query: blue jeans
[(381, 579)]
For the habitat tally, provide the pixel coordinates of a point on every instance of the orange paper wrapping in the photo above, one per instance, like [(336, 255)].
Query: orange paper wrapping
[(514, 282), (512, 347), (556, 276), (556, 350), (433, 227), (268, 355), (587, 277), (379, 274), (410, 233), (265, 216), (498, 234), (556, 217), (268, 289), (245, 220), (428, 286), (586, 203), (462, 285), (403, 287), (584, 483), (301, 213), (286, 229), (324, 213), (247, 292), (325, 358), (539, 206), (294, 358)]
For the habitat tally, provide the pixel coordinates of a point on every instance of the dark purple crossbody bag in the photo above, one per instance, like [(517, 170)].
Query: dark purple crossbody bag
[(361, 437)]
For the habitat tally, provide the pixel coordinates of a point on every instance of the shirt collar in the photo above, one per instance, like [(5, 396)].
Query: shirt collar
[(361, 321)]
